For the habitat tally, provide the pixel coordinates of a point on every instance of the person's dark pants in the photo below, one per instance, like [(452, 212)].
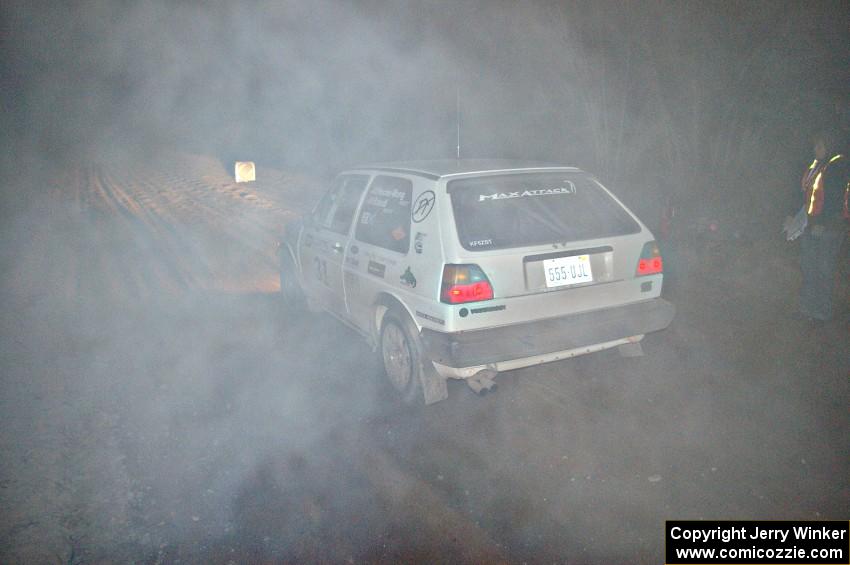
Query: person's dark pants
[(819, 260)]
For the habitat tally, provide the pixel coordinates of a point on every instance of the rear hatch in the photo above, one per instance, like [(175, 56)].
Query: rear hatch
[(559, 234)]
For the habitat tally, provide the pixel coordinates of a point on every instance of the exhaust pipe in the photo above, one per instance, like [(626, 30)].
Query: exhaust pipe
[(482, 382)]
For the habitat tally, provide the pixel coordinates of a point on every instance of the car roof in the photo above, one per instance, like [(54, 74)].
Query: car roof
[(447, 167)]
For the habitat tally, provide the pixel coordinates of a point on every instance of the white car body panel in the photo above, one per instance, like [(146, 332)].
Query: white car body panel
[(352, 279)]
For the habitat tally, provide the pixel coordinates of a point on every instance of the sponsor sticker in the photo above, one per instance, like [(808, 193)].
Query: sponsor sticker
[(430, 318), (422, 206), (487, 309), (418, 242), (407, 278), (379, 258), (568, 188), (377, 269)]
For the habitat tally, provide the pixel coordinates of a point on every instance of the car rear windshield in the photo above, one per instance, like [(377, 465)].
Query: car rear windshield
[(518, 210)]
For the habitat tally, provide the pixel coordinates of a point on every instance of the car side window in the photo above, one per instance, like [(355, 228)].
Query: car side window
[(385, 216), (337, 206), (346, 202), (322, 213)]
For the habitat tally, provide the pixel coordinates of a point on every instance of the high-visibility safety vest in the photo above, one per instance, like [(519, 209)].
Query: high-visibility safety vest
[(813, 187)]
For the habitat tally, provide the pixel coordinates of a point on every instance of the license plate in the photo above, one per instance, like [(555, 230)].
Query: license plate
[(564, 271)]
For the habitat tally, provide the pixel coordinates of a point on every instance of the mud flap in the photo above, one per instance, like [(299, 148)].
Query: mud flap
[(433, 384)]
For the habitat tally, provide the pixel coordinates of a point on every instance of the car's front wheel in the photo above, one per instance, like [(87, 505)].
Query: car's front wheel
[(401, 353)]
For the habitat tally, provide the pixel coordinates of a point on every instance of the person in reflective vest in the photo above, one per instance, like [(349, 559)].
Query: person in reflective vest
[(825, 187), (814, 181)]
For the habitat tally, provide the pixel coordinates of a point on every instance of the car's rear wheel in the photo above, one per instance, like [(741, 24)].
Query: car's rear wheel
[(401, 353), (291, 294)]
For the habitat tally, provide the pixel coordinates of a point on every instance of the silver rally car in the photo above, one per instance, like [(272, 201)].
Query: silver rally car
[(465, 268)]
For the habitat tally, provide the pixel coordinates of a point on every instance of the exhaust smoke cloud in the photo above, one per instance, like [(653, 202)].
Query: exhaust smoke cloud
[(158, 404)]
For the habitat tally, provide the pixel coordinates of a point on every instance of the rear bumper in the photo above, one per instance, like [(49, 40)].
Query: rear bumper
[(482, 347)]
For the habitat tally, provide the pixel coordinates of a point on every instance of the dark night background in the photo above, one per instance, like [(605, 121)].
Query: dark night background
[(686, 95), (147, 418)]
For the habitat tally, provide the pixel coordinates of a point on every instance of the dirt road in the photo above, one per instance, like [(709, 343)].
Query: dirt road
[(157, 405)]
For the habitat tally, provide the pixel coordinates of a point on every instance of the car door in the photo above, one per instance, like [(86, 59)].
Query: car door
[(379, 246), (325, 242)]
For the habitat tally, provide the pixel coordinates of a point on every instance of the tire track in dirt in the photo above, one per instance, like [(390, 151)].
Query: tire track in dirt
[(166, 271), (207, 202), (208, 225), (229, 217), (177, 227), (173, 231), (123, 247)]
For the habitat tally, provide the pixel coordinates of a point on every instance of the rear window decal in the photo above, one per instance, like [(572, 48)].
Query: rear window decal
[(520, 210), (568, 188), (422, 206)]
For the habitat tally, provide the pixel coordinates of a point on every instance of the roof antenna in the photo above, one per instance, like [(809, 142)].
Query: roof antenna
[(457, 119)]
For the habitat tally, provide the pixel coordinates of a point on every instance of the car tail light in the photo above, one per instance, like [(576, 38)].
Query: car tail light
[(650, 262), (464, 283)]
